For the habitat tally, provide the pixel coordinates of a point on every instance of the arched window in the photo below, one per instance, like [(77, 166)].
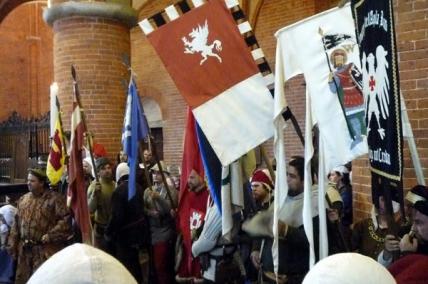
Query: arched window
[(154, 118)]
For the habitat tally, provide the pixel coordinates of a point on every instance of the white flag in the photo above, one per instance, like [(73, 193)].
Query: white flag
[(324, 49)]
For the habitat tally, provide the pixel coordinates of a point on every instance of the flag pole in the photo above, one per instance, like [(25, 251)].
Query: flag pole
[(168, 190), (88, 135), (61, 129), (267, 162), (54, 89), (125, 61), (288, 115)]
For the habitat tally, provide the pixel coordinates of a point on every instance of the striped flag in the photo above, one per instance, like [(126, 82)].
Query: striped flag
[(211, 59), (56, 159), (76, 194), (135, 129)]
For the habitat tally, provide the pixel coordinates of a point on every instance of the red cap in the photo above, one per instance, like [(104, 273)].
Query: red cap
[(260, 176), (99, 150)]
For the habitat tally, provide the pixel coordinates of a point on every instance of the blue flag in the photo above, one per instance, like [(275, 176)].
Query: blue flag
[(135, 128), (212, 166)]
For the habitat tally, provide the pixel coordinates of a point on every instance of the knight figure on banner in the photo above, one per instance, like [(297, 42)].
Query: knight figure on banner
[(346, 81)]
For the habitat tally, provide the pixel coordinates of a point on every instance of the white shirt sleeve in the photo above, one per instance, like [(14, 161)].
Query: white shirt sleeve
[(210, 233), (382, 261)]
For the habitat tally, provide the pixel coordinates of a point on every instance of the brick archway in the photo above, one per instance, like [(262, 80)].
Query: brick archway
[(6, 6)]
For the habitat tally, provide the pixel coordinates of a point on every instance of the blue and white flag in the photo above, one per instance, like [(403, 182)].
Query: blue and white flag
[(212, 166), (135, 128)]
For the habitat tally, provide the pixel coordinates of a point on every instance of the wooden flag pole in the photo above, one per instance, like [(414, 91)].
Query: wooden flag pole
[(267, 162), (168, 190), (88, 136)]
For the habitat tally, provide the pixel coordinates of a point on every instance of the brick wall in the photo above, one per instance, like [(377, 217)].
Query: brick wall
[(26, 62), (95, 46), (153, 81)]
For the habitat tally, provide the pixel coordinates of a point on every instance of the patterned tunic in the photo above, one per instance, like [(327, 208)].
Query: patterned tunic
[(368, 240), (37, 216)]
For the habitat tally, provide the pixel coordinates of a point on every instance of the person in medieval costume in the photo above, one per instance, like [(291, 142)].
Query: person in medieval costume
[(159, 209), (7, 267), (191, 215), (262, 192), (99, 202), (42, 226), (368, 235), (415, 241), (218, 256), (293, 247), (128, 225)]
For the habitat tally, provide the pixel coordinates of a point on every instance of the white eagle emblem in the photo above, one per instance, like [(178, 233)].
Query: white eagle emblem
[(199, 43), (376, 85), (195, 220)]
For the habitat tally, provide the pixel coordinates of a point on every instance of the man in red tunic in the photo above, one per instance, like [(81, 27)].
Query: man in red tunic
[(191, 212)]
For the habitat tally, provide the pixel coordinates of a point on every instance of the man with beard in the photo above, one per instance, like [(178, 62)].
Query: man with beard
[(191, 215), (99, 202), (414, 242), (293, 246), (160, 212), (42, 226)]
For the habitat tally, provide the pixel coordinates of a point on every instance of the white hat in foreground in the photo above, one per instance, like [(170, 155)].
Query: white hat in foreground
[(348, 268), (81, 264)]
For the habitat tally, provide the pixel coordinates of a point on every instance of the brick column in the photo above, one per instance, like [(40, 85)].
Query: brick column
[(94, 36)]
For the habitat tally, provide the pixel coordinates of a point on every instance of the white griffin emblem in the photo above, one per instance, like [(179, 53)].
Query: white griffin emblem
[(195, 220), (199, 43), (376, 85)]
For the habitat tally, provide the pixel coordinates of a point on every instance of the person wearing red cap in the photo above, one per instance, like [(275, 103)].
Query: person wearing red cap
[(261, 187), (414, 242), (99, 151)]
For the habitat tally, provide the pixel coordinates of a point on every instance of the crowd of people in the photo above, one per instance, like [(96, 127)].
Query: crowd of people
[(157, 237)]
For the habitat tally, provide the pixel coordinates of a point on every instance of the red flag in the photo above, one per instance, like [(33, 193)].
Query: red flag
[(206, 45), (192, 206), (191, 155), (76, 195)]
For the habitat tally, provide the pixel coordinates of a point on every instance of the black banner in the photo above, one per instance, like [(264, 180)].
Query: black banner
[(375, 30)]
